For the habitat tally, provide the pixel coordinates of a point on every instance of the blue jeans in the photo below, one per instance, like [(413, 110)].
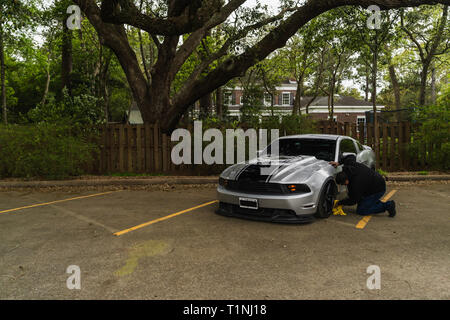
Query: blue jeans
[(372, 204)]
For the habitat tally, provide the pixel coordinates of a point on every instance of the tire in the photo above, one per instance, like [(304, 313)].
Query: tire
[(326, 201)]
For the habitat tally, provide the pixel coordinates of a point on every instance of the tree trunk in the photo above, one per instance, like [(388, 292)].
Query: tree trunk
[(298, 97), (66, 59), (47, 83), (103, 84), (366, 88), (423, 84), (333, 84), (396, 89), (374, 96), (205, 104), (219, 103), (3, 76), (433, 84)]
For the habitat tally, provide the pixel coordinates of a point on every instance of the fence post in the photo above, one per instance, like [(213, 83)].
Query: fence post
[(362, 130), (129, 141), (121, 147), (407, 142), (353, 133), (156, 134), (138, 148), (392, 147), (401, 145), (369, 135), (164, 153), (148, 155), (347, 129), (385, 146)]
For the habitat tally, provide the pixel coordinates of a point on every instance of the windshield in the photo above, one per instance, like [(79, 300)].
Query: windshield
[(320, 148)]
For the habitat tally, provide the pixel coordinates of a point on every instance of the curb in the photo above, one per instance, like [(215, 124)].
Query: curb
[(108, 182), (159, 181), (419, 178)]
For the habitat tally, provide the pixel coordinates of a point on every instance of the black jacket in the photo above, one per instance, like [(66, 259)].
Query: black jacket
[(363, 181)]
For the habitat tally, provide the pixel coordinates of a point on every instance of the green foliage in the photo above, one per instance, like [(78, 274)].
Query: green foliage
[(296, 124), (434, 130), (43, 150), (77, 112), (252, 104), (382, 172)]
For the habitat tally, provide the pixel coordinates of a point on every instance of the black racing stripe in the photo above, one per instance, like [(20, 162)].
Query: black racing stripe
[(242, 170)]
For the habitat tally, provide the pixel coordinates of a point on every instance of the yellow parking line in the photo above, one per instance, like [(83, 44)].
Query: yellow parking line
[(57, 201), (163, 218), (362, 223)]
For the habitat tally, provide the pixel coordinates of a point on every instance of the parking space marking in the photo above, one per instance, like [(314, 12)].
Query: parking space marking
[(363, 222), (164, 218), (57, 201), (79, 216)]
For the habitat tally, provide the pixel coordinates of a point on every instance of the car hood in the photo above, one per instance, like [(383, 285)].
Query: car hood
[(279, 169)]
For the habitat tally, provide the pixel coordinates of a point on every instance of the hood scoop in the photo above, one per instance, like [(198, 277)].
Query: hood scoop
[(252, 173)]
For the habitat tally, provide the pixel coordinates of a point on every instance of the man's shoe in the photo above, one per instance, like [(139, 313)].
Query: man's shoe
[(391, 209)]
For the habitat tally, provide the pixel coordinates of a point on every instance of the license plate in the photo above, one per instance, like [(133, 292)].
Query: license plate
[(248, 203)]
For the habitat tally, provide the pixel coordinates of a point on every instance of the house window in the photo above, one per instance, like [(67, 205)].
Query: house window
[(359, 120), (334, 118), (267, 99), (227, 97), (286, 99)]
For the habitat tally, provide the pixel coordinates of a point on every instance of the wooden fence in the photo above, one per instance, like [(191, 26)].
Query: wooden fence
[(144, 149), (394, 140)]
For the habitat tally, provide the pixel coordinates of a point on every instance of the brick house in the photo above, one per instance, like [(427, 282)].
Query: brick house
[(346, 109)]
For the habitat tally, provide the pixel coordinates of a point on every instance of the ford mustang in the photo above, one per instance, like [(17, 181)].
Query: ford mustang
[(295, 184)]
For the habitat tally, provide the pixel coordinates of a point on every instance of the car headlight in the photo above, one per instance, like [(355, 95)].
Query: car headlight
[(297, 188), (223, 182)]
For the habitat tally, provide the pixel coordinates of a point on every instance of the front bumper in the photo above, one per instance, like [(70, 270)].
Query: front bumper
[(281, 208)]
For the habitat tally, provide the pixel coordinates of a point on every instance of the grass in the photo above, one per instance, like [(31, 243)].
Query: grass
[(382, 172), (422, 173)]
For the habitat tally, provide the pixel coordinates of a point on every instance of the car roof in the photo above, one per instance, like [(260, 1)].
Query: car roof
[(316, 136)]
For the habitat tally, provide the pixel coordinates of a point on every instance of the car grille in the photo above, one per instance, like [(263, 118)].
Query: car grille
[(255, 187)]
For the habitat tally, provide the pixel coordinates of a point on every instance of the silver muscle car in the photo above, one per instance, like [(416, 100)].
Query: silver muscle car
[(299, 185)]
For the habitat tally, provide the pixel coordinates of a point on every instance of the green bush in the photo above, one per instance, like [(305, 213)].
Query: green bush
[(43, 150), (82, 113), (434, 130), (296, 124)]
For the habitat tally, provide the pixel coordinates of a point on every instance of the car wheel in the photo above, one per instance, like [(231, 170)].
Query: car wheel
[(326, 201)]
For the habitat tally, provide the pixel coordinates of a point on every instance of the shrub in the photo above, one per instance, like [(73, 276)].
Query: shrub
[(434, 130), (44, 151), (81, 113), (296, 124)]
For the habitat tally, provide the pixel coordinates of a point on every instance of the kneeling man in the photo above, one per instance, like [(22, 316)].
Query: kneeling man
[(365, 188)]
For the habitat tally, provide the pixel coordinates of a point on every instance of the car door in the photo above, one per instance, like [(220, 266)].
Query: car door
[(346, 145)]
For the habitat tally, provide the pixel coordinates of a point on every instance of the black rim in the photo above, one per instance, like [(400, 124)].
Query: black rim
[(327, 203)]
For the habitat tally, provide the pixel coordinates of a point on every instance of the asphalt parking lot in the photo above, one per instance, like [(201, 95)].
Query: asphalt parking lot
[(197, 254)]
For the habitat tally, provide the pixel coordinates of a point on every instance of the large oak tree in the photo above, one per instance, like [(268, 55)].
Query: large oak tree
[(192, 21)]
